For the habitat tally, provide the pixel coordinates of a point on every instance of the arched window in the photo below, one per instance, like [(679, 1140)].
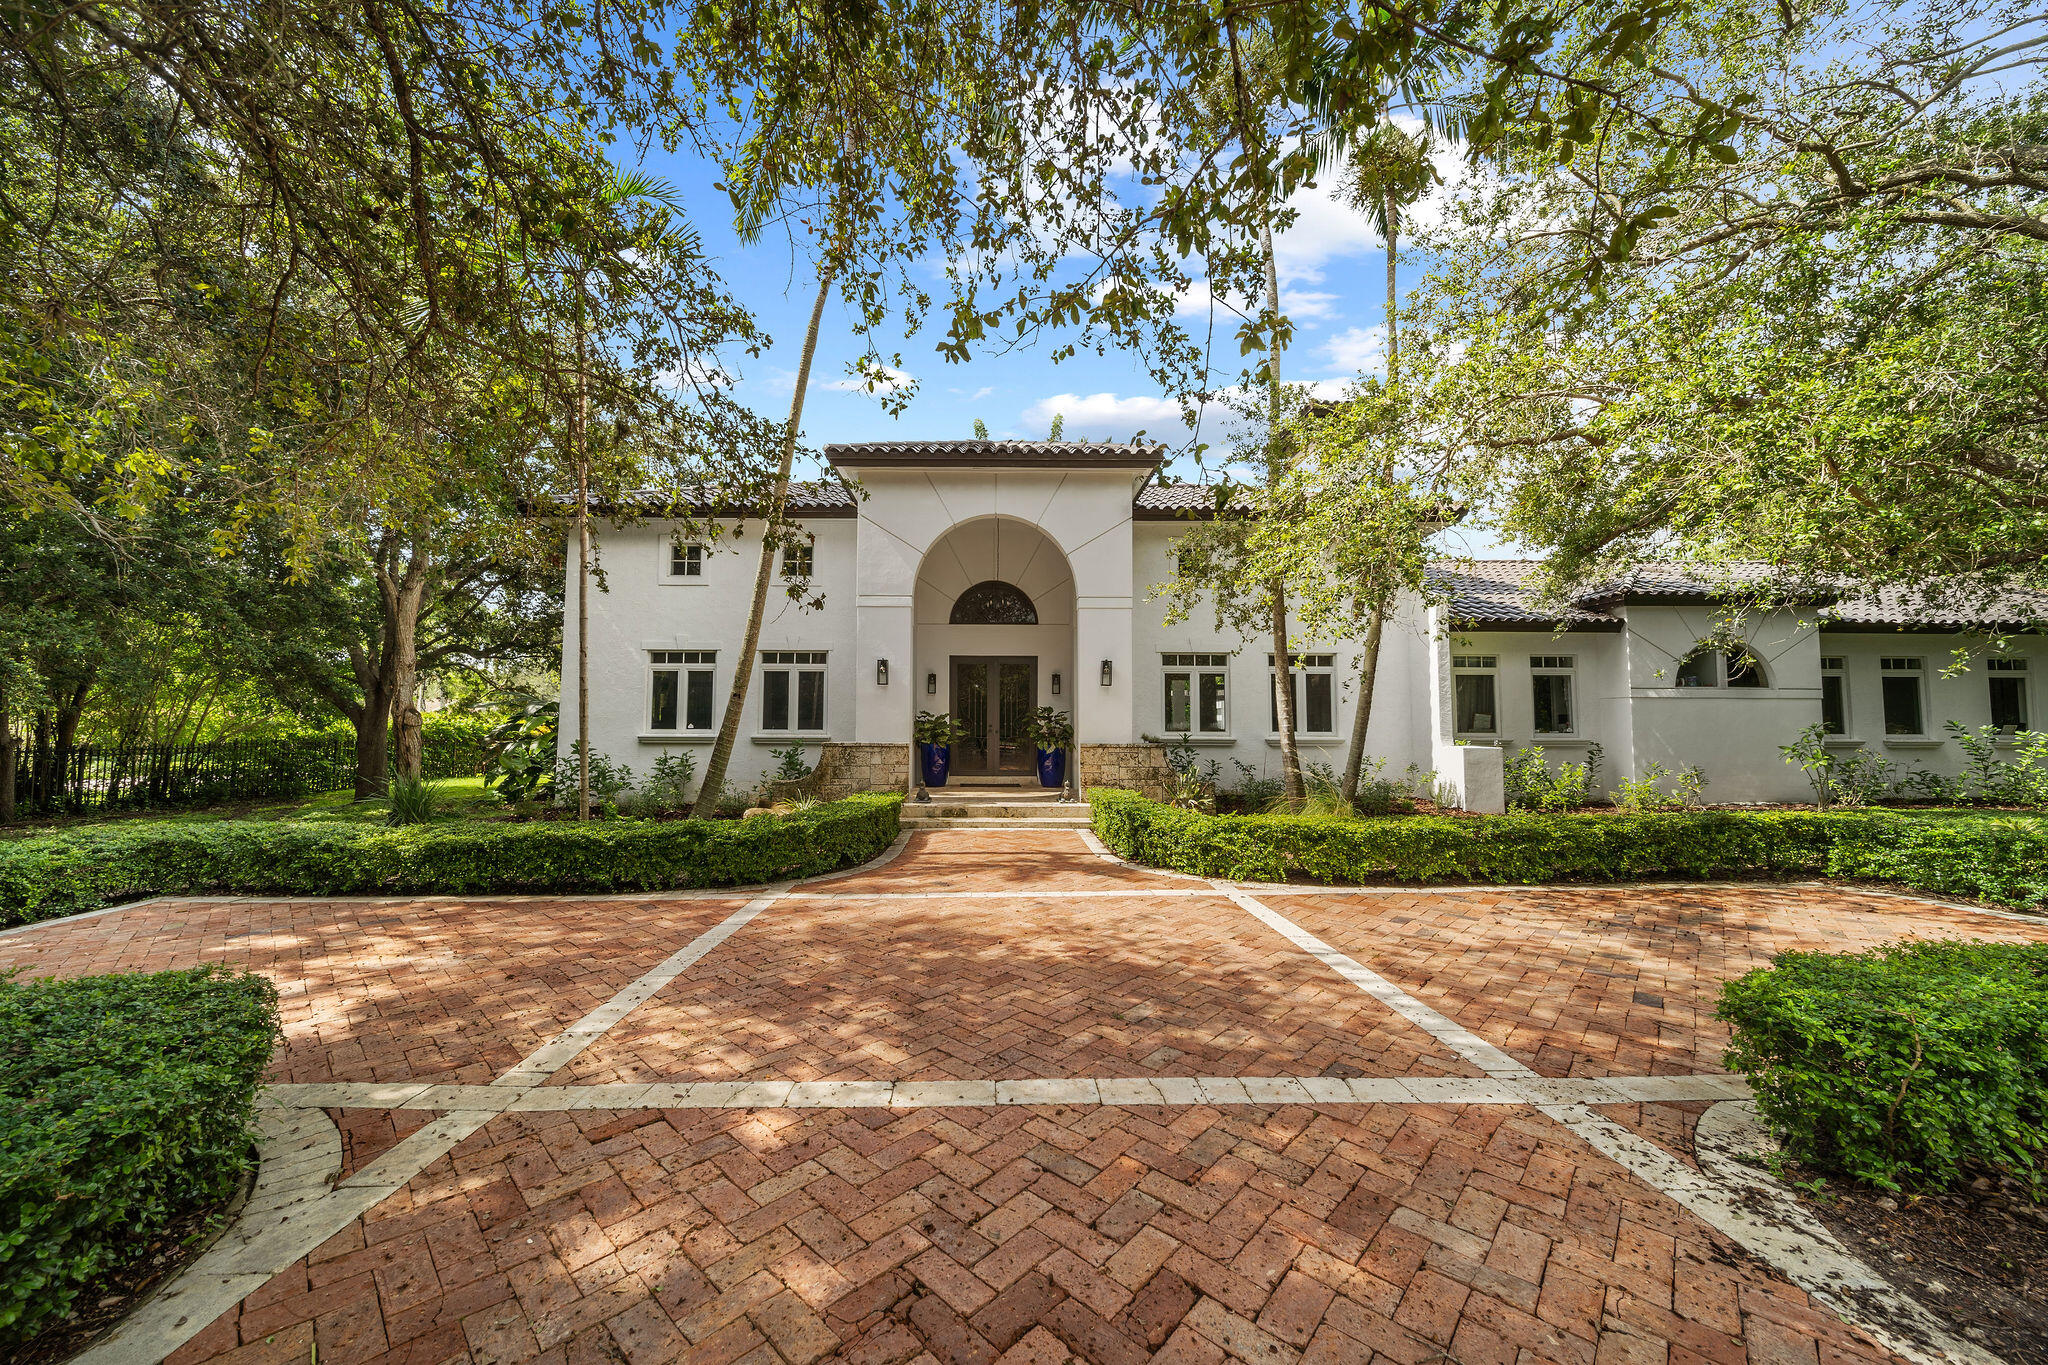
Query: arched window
[(1745, 669), (993, 603), (1712, 668)]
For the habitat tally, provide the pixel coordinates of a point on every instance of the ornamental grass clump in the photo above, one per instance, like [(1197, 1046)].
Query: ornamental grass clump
[(125, 1102), (1905, 1067)]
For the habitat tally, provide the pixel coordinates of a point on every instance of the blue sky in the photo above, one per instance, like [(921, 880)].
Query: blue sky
[(1332, 268)]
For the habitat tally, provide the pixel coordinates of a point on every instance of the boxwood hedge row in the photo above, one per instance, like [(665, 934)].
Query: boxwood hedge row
[(1996, 858), (63, 873), (125, 1101)]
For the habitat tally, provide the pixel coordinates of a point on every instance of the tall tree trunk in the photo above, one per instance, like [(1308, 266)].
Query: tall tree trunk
[(582, 447), (743, 670), (1283, 666), (1369, 661), (8, 759), (373, 740), (69, 712), (405, 602)]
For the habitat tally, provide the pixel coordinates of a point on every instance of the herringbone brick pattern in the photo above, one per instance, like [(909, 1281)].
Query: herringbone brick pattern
[(391, 992), (1007, 990), (1002, 860), (1609, 981), (1484, 1235)]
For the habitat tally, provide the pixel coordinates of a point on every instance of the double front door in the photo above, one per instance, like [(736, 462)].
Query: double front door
[(992, 699)]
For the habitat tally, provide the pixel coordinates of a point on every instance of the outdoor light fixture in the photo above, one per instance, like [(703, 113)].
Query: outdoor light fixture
[(881, 672), (1105, 672), (931, 684), (1055, 684)]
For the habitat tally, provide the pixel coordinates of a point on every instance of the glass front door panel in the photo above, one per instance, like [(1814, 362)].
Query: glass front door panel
[(1016, 754), (970, 710)]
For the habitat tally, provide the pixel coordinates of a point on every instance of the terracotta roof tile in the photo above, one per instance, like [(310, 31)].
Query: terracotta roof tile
[(878, 454)]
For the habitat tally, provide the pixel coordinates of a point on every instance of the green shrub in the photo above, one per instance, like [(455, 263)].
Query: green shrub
[(69, 871), (1998, 858), (124, 1102), (413, 801), (1902, 1066)]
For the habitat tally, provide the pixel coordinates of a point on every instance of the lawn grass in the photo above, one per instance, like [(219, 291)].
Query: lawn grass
[(462, 798)]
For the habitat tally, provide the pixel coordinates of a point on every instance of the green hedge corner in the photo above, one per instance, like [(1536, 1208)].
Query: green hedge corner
[(125, 1101)]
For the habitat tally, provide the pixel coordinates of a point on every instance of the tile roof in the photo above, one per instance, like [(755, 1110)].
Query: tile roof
[(1894, 608), (886, 454), (1498, 591)]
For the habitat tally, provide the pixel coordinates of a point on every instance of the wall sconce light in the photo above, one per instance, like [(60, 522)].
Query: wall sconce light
[(1055, 684), (1105, 673), (881, 672), (931, 684)]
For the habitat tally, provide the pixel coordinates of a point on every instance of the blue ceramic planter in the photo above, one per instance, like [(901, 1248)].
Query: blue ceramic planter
[(1052, 767), (935, 759)]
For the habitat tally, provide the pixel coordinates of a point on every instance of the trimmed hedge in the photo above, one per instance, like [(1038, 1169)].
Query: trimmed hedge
[(1987, 857), (1902, 1066), (124, 1102), (70, 871)]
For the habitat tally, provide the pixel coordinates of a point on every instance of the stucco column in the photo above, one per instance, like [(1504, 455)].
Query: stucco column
[(1102, 631)]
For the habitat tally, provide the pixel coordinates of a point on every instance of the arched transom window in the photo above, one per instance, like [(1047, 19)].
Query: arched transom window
[(993, 603)]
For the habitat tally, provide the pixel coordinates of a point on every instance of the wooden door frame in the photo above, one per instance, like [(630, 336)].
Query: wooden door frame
[(992, 738)]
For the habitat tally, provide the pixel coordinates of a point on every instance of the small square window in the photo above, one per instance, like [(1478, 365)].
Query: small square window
[(685, 560), (797, 561)]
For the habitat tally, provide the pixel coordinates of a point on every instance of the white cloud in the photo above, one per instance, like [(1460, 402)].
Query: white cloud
[(893, 379), (1105, 415), (1358, 350), (984, 391)]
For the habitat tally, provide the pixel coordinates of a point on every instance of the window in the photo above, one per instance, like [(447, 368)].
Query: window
[(685, 560), (682, 687), (1901, 682), (2008, 693), (1473, 680), (1712, 668), (1197, 693), (792, 688), (1313, 676), (1551, 682), (1834, 695), (796, 561), (993, 603)]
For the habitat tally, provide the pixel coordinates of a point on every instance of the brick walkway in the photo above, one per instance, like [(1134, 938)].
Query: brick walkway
[(1191, 1232)]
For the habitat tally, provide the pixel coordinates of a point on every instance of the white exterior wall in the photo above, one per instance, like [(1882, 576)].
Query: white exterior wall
[(1067, 538)]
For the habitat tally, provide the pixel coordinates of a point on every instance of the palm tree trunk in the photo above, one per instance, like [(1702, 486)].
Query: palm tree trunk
[(1283, 667), (1369, 661), (743, 670), (582, 450)]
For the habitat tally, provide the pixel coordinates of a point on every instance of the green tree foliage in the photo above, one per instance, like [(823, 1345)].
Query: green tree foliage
[(1817, 338)]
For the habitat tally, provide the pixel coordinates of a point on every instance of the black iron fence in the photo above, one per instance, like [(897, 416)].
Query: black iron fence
[(52, 780)]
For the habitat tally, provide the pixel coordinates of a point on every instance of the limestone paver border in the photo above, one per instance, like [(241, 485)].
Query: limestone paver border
[(298, 1205)]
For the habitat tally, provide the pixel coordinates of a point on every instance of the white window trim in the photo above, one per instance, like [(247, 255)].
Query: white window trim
[(1195, 734), (2024, 674), (1847, 738), (1569, 673), (1918, 673), (1273, 692), (666, 564), (682, 734), (762, 669), (1457, 671)]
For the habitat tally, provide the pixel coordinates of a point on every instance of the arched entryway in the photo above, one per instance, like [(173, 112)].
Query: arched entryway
[(993, 638)]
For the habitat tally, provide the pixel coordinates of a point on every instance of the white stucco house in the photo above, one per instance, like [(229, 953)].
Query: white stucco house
[(987, 578)]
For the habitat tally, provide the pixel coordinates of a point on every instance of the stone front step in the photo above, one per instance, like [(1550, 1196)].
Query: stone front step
[(914, 823), (990, 810)]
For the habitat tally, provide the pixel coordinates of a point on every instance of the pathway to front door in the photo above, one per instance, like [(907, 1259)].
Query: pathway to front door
[(992, 700), (998, 1098)]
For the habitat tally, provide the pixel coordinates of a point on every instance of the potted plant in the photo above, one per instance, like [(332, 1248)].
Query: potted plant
[(935, 733), (1053, 732)]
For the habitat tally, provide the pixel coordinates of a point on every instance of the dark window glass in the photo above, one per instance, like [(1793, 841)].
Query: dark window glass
[(663, 713), (698, 715), (1745, 670), (810, 701), (993, 603), (775, 699), (1553, 703), (1474, 703), (1834, 704), (686, 561), (1901, 706), (1177, 703), (1701, 670), (796, 561), (1322, 718), (2009, 702), (1214, 718)]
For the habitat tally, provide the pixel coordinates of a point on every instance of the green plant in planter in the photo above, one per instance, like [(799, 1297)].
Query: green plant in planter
[(936, 727), (1050, 730)]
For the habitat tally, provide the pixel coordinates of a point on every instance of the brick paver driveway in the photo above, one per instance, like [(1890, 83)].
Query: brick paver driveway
[(999, 1098)]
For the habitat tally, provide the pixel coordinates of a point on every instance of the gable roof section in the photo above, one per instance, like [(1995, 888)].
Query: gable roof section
[(994, 454), (1486, 593)]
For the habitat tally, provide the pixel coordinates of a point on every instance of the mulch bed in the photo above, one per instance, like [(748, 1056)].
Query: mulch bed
[(1977, 1257), (106, 1302)]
